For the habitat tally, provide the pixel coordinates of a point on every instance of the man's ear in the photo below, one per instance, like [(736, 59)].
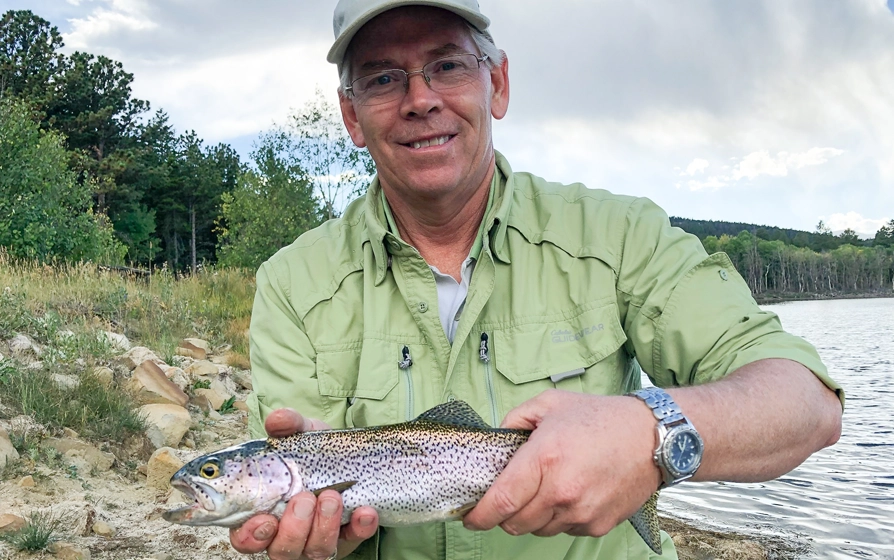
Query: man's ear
[(349, 116), (499, 79)]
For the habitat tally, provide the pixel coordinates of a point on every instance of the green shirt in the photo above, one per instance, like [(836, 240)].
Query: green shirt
[(567, 279)]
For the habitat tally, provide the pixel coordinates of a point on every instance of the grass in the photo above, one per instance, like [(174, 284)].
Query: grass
[(157, 312), (65, 308), (40, 531), (91, 408)]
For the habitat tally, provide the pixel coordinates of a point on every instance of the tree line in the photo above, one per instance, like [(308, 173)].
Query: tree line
[(89, 172), (777, 267)]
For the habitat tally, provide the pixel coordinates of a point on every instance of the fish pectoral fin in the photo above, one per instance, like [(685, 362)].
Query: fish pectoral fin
[(338, 487), (645, 521), (457, 513)]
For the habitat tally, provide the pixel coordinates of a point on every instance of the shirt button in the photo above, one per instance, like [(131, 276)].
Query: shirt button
[(423, 307), (724, 275), (451, 398), (394, 246)]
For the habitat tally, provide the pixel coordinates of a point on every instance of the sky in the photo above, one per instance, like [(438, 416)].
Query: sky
[(772, 112)]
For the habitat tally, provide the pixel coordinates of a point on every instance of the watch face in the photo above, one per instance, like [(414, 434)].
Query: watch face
[(684, 451)]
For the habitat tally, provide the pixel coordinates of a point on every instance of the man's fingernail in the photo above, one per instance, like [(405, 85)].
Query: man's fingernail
[(304, 509), (264, 532), (366, 520), (328, 506)]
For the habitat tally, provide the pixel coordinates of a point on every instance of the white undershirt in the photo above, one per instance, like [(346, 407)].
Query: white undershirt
[(452, 296)]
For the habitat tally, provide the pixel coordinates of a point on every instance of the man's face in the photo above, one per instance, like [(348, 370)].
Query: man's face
[(456, 122)]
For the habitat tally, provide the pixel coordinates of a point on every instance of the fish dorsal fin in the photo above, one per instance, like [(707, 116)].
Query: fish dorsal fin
[(453, 413)]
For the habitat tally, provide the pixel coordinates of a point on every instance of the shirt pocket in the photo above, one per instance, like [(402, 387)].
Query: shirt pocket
[(366, 378), (581, 351)]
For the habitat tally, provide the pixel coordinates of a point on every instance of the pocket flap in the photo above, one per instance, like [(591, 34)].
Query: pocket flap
[(560, 348), (370, 373)]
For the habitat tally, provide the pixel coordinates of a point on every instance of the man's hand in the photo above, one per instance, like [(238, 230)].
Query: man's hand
[(311, 526), (586, 468), (588, 464)]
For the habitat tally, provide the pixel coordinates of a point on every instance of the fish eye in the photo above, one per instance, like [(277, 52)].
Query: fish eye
[(209, 470)]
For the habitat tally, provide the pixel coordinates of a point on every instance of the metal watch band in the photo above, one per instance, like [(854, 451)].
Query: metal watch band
[(663, 406), (670, 418)]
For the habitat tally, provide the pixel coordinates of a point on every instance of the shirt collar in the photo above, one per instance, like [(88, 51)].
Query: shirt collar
[(382, 229)]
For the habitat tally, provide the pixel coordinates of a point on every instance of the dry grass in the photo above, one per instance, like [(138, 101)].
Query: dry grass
[(157, 312)]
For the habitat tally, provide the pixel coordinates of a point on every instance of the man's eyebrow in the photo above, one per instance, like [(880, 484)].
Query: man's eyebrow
[(386, 64), (448, 49)]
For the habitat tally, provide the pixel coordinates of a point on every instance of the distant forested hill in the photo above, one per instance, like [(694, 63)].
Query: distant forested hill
[(813, 240)]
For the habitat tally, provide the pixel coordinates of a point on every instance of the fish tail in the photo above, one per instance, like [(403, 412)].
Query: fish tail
[(645, 521)]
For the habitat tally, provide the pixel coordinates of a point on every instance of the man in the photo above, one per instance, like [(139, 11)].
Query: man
[(456, 277)]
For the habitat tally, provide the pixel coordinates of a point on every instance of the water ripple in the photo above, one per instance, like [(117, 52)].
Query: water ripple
[(839, 503)]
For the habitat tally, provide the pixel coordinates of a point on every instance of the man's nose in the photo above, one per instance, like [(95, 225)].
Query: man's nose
[(420, 98)]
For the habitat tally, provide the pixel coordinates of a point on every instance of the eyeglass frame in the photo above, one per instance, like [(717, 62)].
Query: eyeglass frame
[(426, 77)]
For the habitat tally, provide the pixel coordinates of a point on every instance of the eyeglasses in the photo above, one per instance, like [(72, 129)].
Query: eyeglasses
[(441, 74)]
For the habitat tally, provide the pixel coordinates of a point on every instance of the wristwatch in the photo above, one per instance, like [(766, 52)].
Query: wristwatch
[(679, 451)]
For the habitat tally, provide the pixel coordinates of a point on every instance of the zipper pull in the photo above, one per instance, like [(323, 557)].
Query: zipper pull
[(407, 361), (482, 349)]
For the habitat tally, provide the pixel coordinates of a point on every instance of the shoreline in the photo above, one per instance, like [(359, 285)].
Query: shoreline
[(768, 298), (698, 543)]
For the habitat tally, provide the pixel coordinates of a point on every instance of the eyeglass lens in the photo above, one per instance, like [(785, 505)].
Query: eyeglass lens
[(441, 74)]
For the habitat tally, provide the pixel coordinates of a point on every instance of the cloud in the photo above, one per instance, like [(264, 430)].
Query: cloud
[(865, 227), (761, 163), (697, 165), (122, 16)]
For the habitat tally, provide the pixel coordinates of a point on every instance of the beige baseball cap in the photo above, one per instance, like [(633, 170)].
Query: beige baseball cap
[(351, 15)]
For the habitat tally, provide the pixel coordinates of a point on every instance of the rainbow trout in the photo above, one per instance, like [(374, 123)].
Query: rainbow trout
[(433, 468)]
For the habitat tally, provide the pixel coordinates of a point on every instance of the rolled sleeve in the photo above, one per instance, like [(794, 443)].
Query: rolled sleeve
[(692, 317)]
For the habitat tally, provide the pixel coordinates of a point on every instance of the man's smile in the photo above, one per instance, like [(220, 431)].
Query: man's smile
[(428, 142)]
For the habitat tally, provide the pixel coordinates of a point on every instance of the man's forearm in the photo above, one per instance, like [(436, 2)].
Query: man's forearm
[(761, 421)]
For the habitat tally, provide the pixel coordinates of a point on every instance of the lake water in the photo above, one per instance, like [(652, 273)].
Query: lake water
[(840, 502)]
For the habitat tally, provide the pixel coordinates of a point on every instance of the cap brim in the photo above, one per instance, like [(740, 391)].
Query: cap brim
[(337, 52)]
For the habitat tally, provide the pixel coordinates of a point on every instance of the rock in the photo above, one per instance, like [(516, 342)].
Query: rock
[(8, 453), (21, 345), (203, 368), (152, 386), (136, 356), (105, 375), (178, 377), (163, 463), (10, 523), (201, 401), (2, 357), (242, 378), (66, 382), (69, 551), (195, 348), (82, 454), (69, 433), (27, 482), (103, 529), (241, 405), (166, 424), (34, 365), (118, 341), (215, 399)]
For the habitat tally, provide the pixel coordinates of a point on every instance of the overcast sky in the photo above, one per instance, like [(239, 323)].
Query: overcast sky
[(776, 112)]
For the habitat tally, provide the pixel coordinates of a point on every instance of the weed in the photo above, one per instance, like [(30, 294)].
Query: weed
[(91, 408), (40, 530), (227, 406), (202, 384)]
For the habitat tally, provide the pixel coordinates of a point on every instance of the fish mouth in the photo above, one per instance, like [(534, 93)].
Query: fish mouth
[(202, 504)]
